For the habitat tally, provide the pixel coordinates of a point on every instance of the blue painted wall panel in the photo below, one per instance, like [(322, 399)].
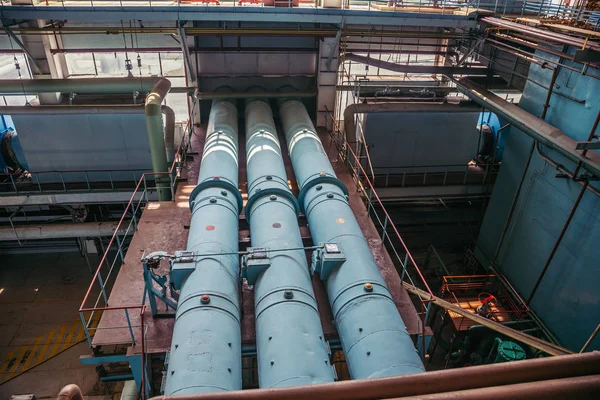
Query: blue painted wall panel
[(79, 142), (568, 298), (443, 138)]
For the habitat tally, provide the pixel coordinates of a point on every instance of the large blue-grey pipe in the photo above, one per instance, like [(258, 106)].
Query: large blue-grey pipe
[(374, 337), (291, 348), (205, 352)]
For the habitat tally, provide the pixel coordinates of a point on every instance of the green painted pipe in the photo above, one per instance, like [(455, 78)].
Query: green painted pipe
[(156, 139), (80, 86)]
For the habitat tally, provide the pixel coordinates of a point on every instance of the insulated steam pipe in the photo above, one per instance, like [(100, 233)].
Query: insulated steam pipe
[(373, 335), (206, 347), (291, 347)]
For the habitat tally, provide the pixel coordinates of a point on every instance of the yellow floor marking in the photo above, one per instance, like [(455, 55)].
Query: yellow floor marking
[(71, 335), (58, 341), (44, 347), (6, 362), (32, 355)]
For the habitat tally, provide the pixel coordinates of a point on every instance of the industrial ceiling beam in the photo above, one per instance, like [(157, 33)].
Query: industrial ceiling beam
[(232, 14), (199, 31), (418, 69)]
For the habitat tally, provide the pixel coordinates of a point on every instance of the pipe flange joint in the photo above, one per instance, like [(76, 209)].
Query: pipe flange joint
[(319, 180), (217, 182), (270, 193)]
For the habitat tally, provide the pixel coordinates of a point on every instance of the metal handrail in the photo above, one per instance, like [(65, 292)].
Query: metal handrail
[(10, 181), (133, 206), (344, 147), (363, 183), (407, 6)]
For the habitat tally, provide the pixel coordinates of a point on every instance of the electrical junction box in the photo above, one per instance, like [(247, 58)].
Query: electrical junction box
[(254, 263), (325, 259), (182, 266)]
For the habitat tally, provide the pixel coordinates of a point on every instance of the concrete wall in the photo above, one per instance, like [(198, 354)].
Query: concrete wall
[(568, 298)]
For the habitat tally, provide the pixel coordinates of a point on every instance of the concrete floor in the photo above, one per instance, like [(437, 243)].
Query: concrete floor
[(40, 293)]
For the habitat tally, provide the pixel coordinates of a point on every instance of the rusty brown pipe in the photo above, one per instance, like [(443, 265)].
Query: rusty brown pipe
[(580, 388), (70, 392), (451, 380)]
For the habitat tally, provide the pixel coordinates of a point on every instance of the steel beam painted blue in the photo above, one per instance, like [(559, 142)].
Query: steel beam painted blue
[(373, 335), (291, 347), (206, 349), (222, 13)]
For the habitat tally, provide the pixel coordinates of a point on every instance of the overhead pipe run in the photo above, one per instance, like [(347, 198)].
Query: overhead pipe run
[(70, 110), (418, 69), (156, 136), (79, 85), (539, 130), (373, 335), (206, 354), (290, 344), (62, 231)]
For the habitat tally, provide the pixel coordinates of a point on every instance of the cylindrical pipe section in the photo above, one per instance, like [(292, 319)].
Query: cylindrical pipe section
[(156, 136), (79, 86), (373, 335), (291, 347), (579, 387), (205, 352), (70, 392), (448, 380)]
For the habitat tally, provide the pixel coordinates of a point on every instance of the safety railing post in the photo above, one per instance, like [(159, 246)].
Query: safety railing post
[(85, 328), (119, 247), (112, 184), (12, 179), (129, 325), (87, 181), (102, 288)]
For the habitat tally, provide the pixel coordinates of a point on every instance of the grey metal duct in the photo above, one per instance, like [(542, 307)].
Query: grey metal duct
[(418, 69), (62, 231), (80, 86), (538, 129), (360, 108)]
